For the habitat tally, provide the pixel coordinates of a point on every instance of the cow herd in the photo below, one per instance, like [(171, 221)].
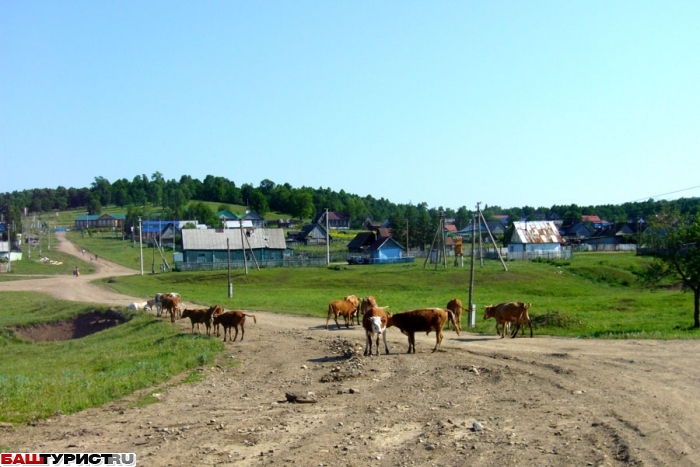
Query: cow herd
[(374, 319), (213, 316)]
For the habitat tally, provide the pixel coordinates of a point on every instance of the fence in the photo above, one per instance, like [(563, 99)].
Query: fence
[(602, 247), (565, 253)]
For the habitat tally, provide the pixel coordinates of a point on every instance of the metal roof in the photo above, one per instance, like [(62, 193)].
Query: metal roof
[(215, 239), (537, 232)]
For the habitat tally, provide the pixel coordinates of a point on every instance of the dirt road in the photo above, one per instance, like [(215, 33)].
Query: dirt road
[(481, 401)]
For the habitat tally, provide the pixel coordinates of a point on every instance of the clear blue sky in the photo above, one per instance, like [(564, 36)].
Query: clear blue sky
[(450, 102)]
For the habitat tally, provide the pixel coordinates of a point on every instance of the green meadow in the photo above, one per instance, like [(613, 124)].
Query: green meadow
[(38, 380)]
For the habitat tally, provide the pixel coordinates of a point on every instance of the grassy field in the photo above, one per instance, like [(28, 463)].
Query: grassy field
[(37, 380), (44, 259)]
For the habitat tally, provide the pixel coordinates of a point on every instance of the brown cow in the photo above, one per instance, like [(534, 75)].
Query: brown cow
[(425, 319), (345, 308), (172, 304), (509, 312), (202, 315), (374, 321), (233, 319), (216, 311), (455, 306)]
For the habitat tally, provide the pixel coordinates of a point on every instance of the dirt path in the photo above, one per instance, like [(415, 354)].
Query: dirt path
[(536, 402)]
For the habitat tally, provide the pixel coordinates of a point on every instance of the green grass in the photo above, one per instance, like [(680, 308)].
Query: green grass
[(38, 380), (124, 252), (31, 262)]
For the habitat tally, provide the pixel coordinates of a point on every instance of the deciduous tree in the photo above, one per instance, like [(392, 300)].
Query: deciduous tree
[(674, 241)]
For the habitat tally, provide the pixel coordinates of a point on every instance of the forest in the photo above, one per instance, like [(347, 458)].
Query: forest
[(181, 199)]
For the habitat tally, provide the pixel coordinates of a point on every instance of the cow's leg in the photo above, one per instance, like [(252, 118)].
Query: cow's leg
[(368, 343), (336, 320), (330, 312), (411, 342), (386, 347), (438, 339), (242, 331)]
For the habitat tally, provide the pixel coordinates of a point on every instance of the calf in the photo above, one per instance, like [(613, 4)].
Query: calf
[(136, 306), (216, 311), (374, 321), (202, 315), (509, 312), (425, 319), (455, 306), (345, 308), (231, 319)]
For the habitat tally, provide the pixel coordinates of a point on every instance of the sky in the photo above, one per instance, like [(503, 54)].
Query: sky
[(449, 103)]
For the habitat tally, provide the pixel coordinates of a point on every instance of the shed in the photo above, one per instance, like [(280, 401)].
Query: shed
[(311, 234)]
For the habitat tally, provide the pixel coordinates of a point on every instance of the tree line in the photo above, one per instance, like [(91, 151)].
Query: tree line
[(173, 199)]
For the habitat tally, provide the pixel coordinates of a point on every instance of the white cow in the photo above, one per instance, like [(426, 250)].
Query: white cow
[(374, 321), (135, 306)]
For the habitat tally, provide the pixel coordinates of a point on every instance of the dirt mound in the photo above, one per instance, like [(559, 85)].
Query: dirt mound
[(75, 328)]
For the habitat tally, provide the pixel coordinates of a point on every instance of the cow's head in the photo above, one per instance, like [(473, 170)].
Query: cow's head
[(187, 313), (376, 324), (489, 311)]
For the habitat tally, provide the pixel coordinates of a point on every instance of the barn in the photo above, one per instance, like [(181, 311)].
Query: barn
[(210, 246), (535, 239)]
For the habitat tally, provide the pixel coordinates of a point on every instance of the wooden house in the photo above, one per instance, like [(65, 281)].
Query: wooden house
[(387, 250), (540, 237), (213, 245), (336, 220)]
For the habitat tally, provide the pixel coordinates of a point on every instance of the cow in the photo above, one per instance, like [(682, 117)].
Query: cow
[(134, 306), (345, 308), (233, 319), (150, 304), (201, 315), (172, 304), (509, 312), (157, 300), (425, 319), (374, 321), (216, 311), (455, 306), (367, 304)]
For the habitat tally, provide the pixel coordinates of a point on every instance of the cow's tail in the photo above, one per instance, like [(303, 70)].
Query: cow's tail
[(251, 316)]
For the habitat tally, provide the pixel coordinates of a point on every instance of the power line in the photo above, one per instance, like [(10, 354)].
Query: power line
[(664, 194)]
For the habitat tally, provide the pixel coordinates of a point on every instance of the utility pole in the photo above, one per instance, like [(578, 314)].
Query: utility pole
[(140, 246), (471, 270), (328, 242), (245, 261), (407, 238), (230, 286)]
